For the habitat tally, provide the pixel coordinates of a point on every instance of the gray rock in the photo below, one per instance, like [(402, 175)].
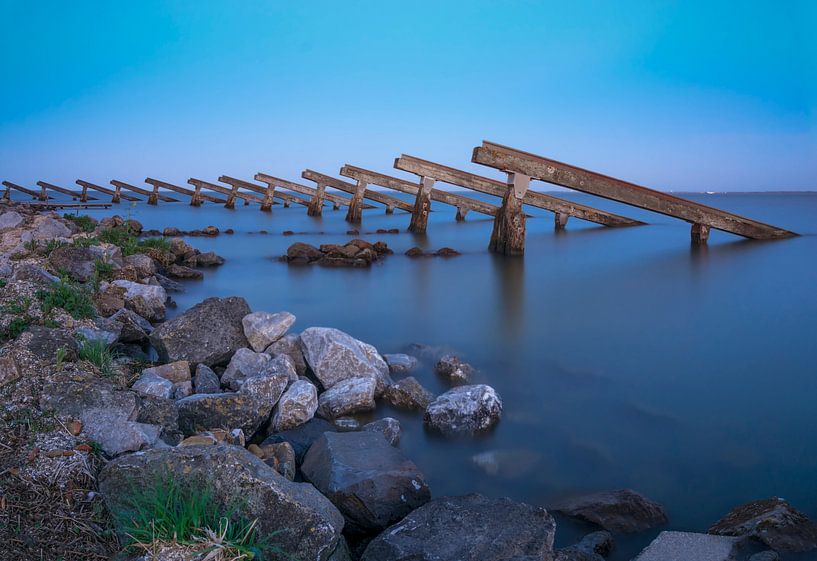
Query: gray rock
[(289, 345), (210, 332), (773, 521), (295, 516), (346, 424), (92, 334), (116, 435), (621, 510), (141, 263), (152, 384), (400, 363), (408, 394), (468, 528), (767, 555), (686, 546), (209, 259), (296, 406), (266, 388), (134, 328), (33, 273), (372, 483), (205, 380), (201, 412), (108, 253), (389, 427), (183, 272), (244, 364), (335, 356), (464, 410), (353, 395), (44, 342), (263, 328), (280, 456), (79, 263), (302, 436), (49, 228), (168, 284), (146, 300), (8, 370), (593, 547), (176, 372), (162, 412), (454, 370), (10, 219)]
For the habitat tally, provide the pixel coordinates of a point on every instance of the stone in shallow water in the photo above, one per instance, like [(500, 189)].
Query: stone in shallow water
[(592, 547), (464, 411), (408, 394), (621, 510), (302, 436), (353, 395), (454, 370), (263, 328), (146, 300), (687, 546), (400, 363), (773, 521), (389, 427), (467, 528)]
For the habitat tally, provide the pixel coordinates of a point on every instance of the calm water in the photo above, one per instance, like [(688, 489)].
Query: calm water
[(625, 358)]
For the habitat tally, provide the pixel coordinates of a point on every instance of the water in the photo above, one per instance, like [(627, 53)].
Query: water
[(625, 357)]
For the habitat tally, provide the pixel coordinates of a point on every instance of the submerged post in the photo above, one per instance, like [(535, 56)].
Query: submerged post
[(508, 236), (315, 207), (355, 212), (560, 220), (422, 206), (699, 233), (461, 213)]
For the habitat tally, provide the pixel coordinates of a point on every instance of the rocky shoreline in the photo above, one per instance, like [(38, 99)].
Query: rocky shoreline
[(251, 425)]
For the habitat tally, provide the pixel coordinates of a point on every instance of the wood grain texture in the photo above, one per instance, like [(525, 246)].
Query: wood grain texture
[(152, 194), (195, 198), (340, 185), (114, 193), (31, 192), (63, 190)]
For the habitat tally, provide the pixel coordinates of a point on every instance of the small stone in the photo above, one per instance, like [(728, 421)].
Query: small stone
[(263, 328), (389, 427), (199, 439), (289, 345), (686, 545), (209, 259), (446, 252), (408, 394), (153, 384), (178, 371), (205, 380), (353, 395), (622, 510), (235, 437), (182, 272), (255, 450), (302, 436), (400, 363), (74, 427), (280, 457), (464, 410), (456, 371)]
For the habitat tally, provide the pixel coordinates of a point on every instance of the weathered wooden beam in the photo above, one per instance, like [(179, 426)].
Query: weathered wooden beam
[(439, 172), (305, 190), (267, 192), (196, 196), (63, 190), (390, 202), (39, 195), (565, 175), (153, 195), (286, 198), (116, 194), (232, 192)]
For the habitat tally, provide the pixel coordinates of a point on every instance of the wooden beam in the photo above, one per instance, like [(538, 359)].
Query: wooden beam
[(39, 195), (153, 195), (58, 189), (231, 192), (196, 196), (115, 194), (268, 192), (303, 189), (565, 175), (439, 172), (390, 202)]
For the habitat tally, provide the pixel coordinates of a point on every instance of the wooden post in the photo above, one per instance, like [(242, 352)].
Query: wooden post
[(560, 220), (268, 194), (422, 207), (231, 198), (117, 194), (389, 209), (83, 198), (153, 198), (195, 200), (461, 212), (508, 236), (335, 206), (43, 192), (699, 233), (316, 203), (355, 212), (7, 194)]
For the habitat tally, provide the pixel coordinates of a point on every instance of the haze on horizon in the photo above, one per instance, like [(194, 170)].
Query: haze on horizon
[(684, 96)]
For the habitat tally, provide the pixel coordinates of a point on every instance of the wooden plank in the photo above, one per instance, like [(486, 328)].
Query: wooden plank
[(565, 175), (268, 192), (196, 197), (115, 194), (31, 192), (152, 196), (375, 178), (58, 189), (376, 196), (303, 189), (274, 182), (45, 205), (231, 193), (453, 176), (287, 198)]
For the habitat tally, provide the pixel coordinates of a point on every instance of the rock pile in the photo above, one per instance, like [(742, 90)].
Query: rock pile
[(356, 253)]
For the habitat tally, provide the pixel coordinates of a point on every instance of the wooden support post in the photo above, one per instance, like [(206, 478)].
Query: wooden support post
[(7, 194), (117, 194), (560, 220), (195, 200), (508, 236), (231, 198), (355, 212), (43, 192), (422, 207), (346, 187), (389, 209), (335, 206), (153, 198), (316, 203), (461, 212), (83, 197), (699, 233)]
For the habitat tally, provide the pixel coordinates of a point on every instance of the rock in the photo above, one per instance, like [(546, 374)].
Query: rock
[(408, 394), (110, 300), (767, 555), (346, 424), (45, 342), (178, 373), (179, 247), (335, 356), (266, 388), (452, 368), (263, 328), (205, 380), (593, 547), (8, 369), (773, 521), (92, 334), (168, 284), (10, 219), (353, 395), (372, 483), (162, 412), (210, 332), (146, 300), (151, 384), (201, 412), (415, 252), (289, 345), (622, 510), (296, 406), (49, 228), (33, 273), (294, 516), (464, 410), (79, 263), (245, 364), (171, 232), (134, 328), (509, 464), (280, 456), (467, 528), (400, 363), (182, 272), (302, 436), (389, 427), (142, 264), (669, 546), (446, 252), (209, 259), (302, 253)]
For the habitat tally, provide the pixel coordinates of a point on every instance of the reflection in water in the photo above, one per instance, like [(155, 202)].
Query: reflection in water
[(510, 300)]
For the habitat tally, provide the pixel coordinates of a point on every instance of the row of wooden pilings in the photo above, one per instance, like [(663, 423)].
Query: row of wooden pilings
[(508, 235)]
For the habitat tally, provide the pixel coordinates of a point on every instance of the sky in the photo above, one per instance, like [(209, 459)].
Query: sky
[(686, 96)]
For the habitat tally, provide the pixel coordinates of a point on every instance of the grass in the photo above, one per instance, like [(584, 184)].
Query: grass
[(102, 271), (169, 511), (16, 308), (43, 247), (157, 243), (85, 242), (99, 354), (73, 299), (3, 283), (59, 359), (16, 327), (121, 236), (83, 221)]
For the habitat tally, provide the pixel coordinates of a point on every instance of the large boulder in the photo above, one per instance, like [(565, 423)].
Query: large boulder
[(10, 220), (247, 364), (210, 332), (595, 546), (687, 545), (263, 328), (146, 300), (389, 427), (409, 394), (302, 436), (48, 228), (45, 342), (141, 263), (353, 395), (135, 328), (464, 410), (205, 380), (621, 510), (371, 482), (335, 356), (79, 263), (773, 521), (296, 406), (467, 528), (293, 516), (289, 345)]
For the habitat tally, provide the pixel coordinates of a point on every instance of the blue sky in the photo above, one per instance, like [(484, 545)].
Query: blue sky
[(675, 95)]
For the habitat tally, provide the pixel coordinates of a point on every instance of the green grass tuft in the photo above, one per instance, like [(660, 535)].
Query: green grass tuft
[(157, 243), (73, 299), (99, 354), (83, 221), (17, 327)]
